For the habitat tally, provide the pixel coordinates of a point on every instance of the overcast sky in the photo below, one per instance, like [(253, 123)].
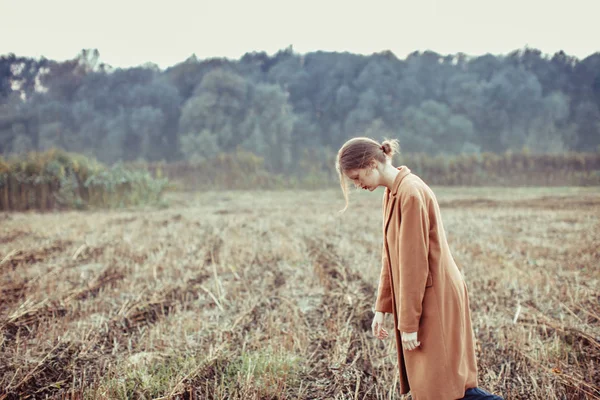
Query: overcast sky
[(133, 32)]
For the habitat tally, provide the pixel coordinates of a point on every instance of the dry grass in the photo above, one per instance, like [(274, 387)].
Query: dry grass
[(242, 295)]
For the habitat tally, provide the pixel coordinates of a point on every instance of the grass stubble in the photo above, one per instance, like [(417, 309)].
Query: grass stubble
[(268, 295)]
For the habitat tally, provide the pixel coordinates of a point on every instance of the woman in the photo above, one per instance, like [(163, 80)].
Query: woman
[(420, 284)]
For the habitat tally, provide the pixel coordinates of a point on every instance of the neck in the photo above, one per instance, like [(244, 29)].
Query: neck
[(388, 176)]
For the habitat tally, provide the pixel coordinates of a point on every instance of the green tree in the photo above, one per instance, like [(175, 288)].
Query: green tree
[(433, 128)]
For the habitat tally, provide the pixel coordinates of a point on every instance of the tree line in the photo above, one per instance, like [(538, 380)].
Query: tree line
[(278, 106)]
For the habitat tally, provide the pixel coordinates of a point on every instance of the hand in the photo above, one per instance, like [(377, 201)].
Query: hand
[(409, 340), (377, 326)]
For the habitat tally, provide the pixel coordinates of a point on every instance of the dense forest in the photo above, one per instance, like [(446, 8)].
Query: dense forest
[(278, 106)]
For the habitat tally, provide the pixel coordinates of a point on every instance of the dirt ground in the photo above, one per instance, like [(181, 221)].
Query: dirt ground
[(268, 295)]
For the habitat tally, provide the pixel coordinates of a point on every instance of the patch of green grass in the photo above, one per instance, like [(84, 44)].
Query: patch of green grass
[(152, 379), (267, 371)]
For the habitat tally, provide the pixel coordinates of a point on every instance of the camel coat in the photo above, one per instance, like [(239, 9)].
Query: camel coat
[(421, 285)]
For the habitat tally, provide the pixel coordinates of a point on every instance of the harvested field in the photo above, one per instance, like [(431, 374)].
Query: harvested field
[(268, 295)]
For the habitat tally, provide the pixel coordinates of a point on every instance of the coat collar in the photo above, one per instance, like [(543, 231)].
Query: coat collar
[(390, 200), (403, 172)]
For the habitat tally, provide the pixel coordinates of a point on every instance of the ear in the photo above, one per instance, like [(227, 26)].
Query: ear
[(370, 167)]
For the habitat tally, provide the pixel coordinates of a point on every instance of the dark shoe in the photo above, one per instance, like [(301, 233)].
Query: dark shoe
[(480, 394)]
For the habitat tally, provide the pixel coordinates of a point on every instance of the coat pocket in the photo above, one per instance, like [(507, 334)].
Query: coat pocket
[(429, 280)]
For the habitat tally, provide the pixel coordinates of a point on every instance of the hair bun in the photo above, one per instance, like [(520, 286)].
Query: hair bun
[(386, 147), (390, 147)]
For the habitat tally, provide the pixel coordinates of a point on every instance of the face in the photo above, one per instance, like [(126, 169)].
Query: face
[(365, 178)]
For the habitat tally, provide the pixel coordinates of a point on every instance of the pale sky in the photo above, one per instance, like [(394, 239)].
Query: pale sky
[(133, 32)]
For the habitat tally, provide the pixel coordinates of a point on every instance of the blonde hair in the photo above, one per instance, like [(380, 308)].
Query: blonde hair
[(358, 153)]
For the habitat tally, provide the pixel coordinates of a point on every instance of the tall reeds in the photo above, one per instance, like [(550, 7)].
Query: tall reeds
[(56, 179)]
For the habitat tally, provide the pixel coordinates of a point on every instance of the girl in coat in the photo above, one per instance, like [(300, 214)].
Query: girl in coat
[(420, 284)]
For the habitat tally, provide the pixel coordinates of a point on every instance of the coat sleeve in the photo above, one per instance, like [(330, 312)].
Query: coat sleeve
[(414, 261), (384, 292)]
